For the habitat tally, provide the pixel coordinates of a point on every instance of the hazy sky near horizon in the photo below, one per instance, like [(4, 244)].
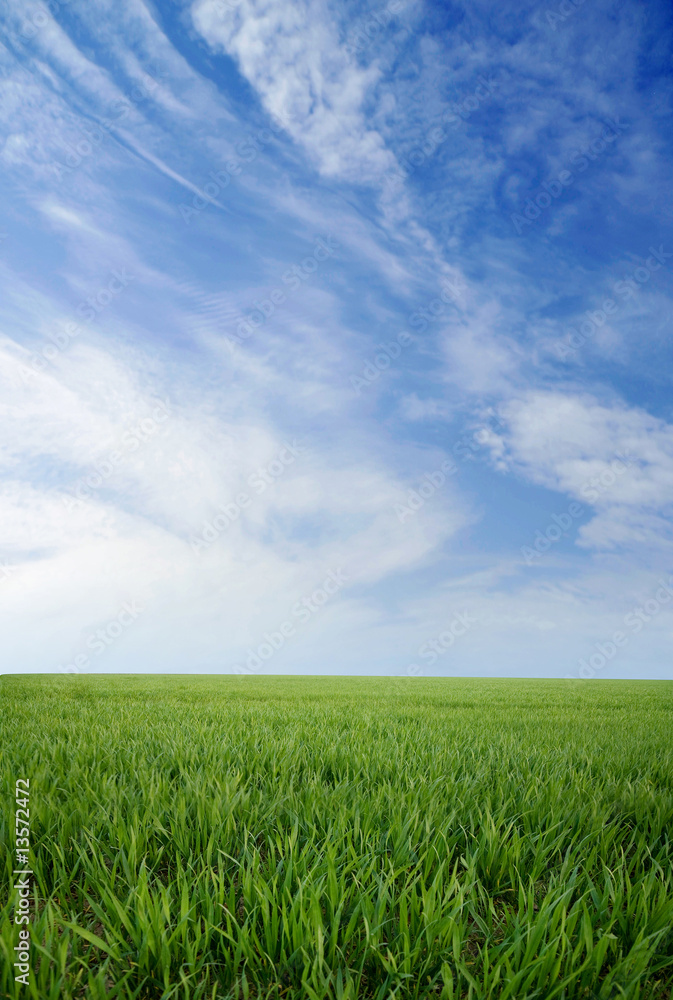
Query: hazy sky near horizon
[(336, 337)]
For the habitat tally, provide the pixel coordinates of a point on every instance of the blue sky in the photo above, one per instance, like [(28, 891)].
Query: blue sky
[(335, 338)]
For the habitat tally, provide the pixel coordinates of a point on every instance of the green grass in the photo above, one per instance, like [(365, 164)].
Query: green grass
[(343, 838)]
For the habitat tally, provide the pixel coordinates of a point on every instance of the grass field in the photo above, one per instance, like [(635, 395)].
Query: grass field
[(222, 837)]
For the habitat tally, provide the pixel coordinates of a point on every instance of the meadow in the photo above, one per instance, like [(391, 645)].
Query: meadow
[(217, 837)]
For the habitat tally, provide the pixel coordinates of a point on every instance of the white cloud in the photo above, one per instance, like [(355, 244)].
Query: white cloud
[(615, 458), (414, 408), (232, 408), (480, 359), (131, 536), (291, 54)]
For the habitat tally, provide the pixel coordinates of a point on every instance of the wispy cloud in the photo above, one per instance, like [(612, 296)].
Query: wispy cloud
[(293, 236)]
